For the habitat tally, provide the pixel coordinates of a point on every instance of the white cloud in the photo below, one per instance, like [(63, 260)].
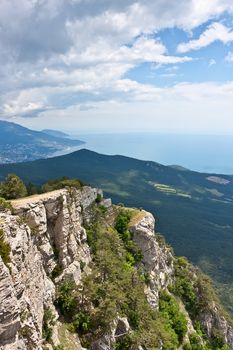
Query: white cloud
[(212, 62), (143, 49), (26, 103), (229, 57), (183, 108), (57, 54), (215, 32)]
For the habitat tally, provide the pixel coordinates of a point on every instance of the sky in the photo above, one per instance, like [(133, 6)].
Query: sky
[(117, 65)]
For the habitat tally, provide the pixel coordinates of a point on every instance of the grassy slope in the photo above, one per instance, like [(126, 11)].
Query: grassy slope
[(194, 214)]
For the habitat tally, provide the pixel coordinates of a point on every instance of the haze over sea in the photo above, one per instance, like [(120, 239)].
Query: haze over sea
[(204, 153)]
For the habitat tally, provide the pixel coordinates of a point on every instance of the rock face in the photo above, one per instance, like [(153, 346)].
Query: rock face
[(212, 321), (10, 321), (45, 231), (158, 261), (120, 329)]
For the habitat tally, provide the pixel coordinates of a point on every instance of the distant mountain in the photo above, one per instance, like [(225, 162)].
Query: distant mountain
[(195, 210), (178, 167), (55, 133), (19, 144)]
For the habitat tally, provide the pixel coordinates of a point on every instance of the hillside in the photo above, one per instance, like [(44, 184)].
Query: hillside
[(194, 210), (18, 144), (55, 133), (77, 272)]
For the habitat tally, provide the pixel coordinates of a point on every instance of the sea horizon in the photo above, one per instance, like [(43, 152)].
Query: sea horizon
[(202, 153)]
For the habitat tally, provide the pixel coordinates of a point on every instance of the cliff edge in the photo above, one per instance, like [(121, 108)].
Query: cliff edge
[(58, 240)]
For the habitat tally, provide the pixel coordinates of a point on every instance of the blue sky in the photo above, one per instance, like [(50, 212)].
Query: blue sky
[(207, 64), (125, 66)]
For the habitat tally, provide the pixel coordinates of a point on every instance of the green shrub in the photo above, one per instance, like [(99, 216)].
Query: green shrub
[(124, 343), (5, 205), (4, 249), (122, 221), (31, 189), (208, 345), (103, 209), (169, 308), (181, 261), (35, 230), (160, 239), (81, 321), (65, 299), (146, 276), (185, 287), (218, 339), (98, 198), (57, 271), (92, 237), (196, 343), (48, 323), (13, 187), (63, 182), (134, 254), (82, 265)]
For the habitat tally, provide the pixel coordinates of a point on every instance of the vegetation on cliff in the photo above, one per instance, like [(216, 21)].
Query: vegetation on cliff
[(13, 187), (4, 249), (116, 288), (196, 292)]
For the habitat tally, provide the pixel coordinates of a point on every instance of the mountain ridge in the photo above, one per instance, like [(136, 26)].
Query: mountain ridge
[(18, 143)]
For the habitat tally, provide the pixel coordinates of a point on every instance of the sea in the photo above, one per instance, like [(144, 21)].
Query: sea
[(203, 153)]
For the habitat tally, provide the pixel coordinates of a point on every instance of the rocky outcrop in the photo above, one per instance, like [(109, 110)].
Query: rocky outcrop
[(107, 342), (157, 261), (44, 231), (212, 321)]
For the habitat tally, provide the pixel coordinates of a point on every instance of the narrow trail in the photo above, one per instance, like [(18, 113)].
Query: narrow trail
[(36, 198)]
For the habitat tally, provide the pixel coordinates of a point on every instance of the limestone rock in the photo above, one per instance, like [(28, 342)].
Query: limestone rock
[(157, 261), (44, 231), (9, 311), (104, 343), (106, 202), (211, 320), (122, 327)]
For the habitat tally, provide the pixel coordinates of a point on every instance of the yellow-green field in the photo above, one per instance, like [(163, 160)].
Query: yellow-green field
[(170, 190)]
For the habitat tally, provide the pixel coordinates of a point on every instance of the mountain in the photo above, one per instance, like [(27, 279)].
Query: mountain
[(77, 272), (19, 144), (55, 133), (194, 210)]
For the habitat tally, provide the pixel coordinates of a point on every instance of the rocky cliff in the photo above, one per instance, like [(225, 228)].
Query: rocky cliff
[(48, 245), (45, 231)]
